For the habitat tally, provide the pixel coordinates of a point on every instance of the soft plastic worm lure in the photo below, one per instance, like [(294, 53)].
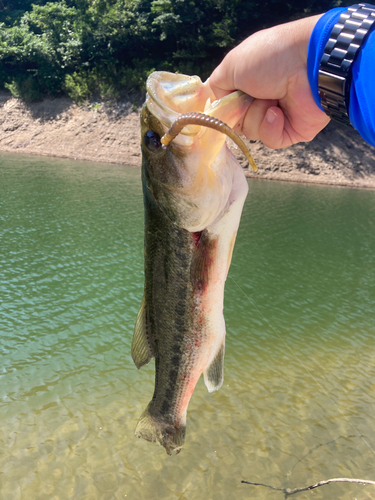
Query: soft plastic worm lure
[(210, 122)]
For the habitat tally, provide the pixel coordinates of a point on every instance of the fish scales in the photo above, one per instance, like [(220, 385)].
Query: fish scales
[(192, 203), (173, 314)]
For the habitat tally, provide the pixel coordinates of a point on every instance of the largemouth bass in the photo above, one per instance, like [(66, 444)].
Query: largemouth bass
[(194, 191)]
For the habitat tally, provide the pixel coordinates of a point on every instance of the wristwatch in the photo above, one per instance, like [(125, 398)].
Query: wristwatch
[(340, 52)]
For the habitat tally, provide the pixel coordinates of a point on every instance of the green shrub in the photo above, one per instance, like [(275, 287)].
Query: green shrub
[(24, 88), (135, 78), (81, 47), (78, 86), (108, 91)]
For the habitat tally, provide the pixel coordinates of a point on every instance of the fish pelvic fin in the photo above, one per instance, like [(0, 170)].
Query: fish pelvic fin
[(141, 351), (214, 374), (156, 430)]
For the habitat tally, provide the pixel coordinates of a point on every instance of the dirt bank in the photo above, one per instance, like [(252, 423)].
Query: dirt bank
[(110, 133)]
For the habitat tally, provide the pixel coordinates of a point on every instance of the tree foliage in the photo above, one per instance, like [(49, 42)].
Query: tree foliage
[(86, 46)]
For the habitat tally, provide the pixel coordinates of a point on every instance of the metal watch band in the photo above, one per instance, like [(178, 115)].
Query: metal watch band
[(342, 48)]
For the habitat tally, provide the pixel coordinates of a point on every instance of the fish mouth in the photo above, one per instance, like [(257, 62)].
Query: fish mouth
[(184, 106), (171, 94)]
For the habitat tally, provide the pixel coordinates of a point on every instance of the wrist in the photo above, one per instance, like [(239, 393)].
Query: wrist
[(305, 29)]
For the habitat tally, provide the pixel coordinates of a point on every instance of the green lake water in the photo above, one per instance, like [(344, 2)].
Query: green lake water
[(298, 401)]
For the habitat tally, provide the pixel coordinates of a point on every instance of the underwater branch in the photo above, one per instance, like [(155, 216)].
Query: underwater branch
[(292, 491)]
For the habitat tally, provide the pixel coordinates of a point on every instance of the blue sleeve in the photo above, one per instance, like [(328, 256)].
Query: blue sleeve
[(362, 89)]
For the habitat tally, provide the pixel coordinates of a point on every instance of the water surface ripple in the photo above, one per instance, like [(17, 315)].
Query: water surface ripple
[(298, 401)]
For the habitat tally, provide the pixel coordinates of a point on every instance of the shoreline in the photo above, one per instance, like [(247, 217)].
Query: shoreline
[(110, 133)]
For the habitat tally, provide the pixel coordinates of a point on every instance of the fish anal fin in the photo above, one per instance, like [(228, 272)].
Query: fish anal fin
[(141, 351), (214, 374)]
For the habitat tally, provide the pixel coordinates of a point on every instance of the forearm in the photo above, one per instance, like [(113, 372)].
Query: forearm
[(279, 67)]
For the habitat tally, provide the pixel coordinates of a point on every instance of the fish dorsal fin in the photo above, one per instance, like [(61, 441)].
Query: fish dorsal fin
[(214, 374), (141, 349)]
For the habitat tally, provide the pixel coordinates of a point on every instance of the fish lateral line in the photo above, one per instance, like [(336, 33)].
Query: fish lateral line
[(210, 122)]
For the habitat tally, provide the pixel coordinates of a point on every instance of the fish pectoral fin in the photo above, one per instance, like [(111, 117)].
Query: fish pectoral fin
[(214, 374), (142, 352), (203, 260)]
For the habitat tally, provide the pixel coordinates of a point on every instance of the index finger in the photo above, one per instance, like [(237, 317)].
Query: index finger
[(221, 80)]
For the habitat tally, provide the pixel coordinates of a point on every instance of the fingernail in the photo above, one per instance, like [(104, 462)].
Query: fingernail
[(270, 116)]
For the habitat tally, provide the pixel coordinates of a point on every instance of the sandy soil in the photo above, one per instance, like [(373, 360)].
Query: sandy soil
[(110, 133)]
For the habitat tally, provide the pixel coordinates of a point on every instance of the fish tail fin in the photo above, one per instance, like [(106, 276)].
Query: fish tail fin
[(156, 430)]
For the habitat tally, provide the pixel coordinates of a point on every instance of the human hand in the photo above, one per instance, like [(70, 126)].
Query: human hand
[(271, 66)]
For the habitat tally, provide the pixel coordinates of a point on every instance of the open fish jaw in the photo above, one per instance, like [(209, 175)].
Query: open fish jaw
[(170, 95), (194, 192)]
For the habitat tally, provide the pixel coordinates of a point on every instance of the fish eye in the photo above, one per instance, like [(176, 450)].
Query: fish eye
[(152, 141)]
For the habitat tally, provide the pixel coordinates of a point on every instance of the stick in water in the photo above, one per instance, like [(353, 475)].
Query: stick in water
[(289, 491)]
